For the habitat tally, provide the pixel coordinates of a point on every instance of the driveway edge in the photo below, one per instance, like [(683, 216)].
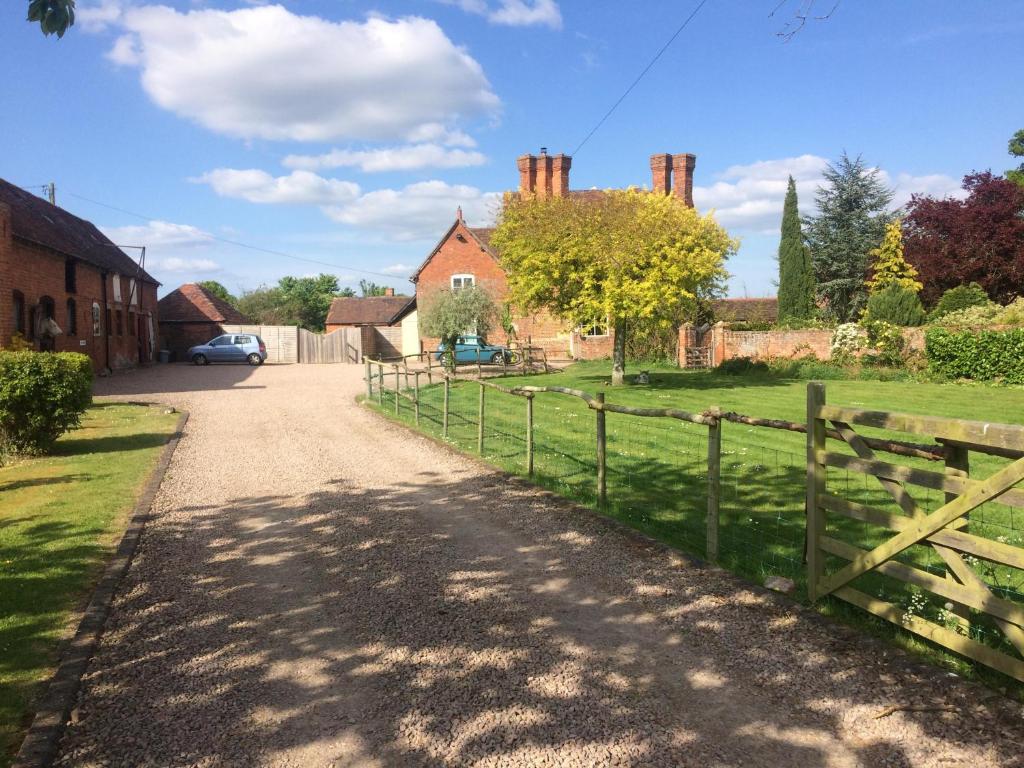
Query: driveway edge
[(39, 747)]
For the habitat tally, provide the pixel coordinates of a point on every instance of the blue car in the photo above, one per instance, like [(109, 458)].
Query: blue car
[(470, 349), (230, 348)]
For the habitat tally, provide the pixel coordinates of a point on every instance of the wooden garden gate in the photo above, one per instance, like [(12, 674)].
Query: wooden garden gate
[(834, 563)]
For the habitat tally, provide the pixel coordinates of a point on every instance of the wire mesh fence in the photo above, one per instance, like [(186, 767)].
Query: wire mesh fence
[(657, 479)]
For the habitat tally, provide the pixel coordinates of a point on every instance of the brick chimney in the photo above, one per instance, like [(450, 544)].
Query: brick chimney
[(661, 173), (527, 165), (682, 177), (545, 170), (389, 291), (560, 165)]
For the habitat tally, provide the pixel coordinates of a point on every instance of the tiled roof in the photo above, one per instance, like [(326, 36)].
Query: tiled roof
[(368, 310), (747, 310), (191, 303), (36, 220), (483, 234)]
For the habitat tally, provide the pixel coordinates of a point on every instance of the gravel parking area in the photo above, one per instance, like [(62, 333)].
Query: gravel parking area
[(322, 588)]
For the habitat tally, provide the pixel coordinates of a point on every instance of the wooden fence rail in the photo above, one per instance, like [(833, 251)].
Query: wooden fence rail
[(945, 530)]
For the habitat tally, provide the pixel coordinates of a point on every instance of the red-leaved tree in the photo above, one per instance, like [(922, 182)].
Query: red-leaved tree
[(979, 239)]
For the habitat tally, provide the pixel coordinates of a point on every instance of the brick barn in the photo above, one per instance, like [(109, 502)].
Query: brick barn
[(191, 315), (387, 323), (65, 287), (464, 256)]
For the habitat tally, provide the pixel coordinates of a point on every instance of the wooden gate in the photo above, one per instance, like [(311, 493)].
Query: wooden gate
[(976, 574)]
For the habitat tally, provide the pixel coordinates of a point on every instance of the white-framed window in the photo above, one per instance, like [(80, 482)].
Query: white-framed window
[(97, 328), (133, 291), (462, 281), (116, 278), (596, 328)]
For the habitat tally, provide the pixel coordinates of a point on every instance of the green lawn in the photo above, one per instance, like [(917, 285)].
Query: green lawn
[(657, 467), (61, 516)]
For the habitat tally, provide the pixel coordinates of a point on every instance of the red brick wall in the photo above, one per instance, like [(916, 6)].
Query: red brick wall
[(37, 272)]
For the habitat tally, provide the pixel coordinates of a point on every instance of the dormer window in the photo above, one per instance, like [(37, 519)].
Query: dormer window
[(462, 281)]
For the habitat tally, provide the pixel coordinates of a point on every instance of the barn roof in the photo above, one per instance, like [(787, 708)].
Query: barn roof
[(191, 303), (37, 221), (369, 310)]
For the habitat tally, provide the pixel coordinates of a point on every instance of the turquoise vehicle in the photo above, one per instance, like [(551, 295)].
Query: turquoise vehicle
[(471, 349)]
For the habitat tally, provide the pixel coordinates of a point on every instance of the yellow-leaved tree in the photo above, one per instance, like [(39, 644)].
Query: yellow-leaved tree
[(889, 266), (621, 255)]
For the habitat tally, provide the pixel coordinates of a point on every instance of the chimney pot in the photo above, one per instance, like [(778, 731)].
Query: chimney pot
[(389, 291), (682, 181)]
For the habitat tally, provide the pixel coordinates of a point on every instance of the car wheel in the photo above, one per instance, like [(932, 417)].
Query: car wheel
[(200, 360), (255, 359), (498, 358)]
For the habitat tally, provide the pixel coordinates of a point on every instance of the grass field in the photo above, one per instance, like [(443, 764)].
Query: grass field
[(657, 467), (60, 518)]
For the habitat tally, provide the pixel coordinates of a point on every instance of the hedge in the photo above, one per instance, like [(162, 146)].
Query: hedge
[(982, 355), (42, 396)]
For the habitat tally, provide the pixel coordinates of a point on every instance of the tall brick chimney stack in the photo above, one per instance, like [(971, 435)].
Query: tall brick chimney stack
[(527, 165), (682, 177), (560, 165), (661, 173), (545, 170)]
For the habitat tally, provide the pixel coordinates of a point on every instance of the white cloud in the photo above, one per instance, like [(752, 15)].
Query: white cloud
[(157, 234), (176, 264), (404, 158), (749, 198), (440, 134), (97, 16), (514, 13), (298, 188), (265, 72), (420, 211), (398, 269)]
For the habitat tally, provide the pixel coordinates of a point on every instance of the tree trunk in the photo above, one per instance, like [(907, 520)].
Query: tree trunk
[(619, 354)]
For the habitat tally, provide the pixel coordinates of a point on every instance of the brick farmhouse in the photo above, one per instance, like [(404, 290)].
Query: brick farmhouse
[(387, 323), (64, 286), (191, 315), (464, 256)]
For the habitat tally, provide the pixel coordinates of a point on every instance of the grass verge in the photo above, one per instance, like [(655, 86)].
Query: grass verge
[(657, 473), (60, 518)]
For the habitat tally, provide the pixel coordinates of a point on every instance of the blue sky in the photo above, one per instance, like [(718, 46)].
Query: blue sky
[(347, 132)]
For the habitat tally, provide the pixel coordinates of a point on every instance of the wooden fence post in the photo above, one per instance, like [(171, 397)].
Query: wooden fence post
[(405, 363), (416, 396), (480, 423), (958, 464), (369, 382), (602, 445), (398, 392), (815, 488), (544, 353), (479, 370), (380, 381), (529, 434), (444, 418), (504, 365), (714, 482), (430, 369)]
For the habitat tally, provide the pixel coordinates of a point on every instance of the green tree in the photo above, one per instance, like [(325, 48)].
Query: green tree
[(1016, 149), (218, 290), (263, 306), (54, 16), (453, 313), (889, 267), (626, 255), (853, 210), (368, 288), (796, 274), (306, 300)]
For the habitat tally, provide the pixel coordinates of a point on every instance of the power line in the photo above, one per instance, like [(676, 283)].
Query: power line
[(237, 243), (640, 77)]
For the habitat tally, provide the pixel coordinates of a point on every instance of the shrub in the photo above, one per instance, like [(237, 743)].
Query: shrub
[(806, 368), (981, 355), (887, 341), (846, 340), (42, 396), (895, 304), (961, 297), (740, 366), (981, 315), (1012, 313)]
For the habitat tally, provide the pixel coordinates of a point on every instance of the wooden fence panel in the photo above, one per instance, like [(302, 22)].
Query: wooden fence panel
[(281, 340), (341, 346)]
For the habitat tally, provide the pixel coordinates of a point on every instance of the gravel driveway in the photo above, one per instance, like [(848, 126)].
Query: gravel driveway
[(319, 587)]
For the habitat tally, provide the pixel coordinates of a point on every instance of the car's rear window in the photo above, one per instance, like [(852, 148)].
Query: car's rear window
[(243, 340)]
